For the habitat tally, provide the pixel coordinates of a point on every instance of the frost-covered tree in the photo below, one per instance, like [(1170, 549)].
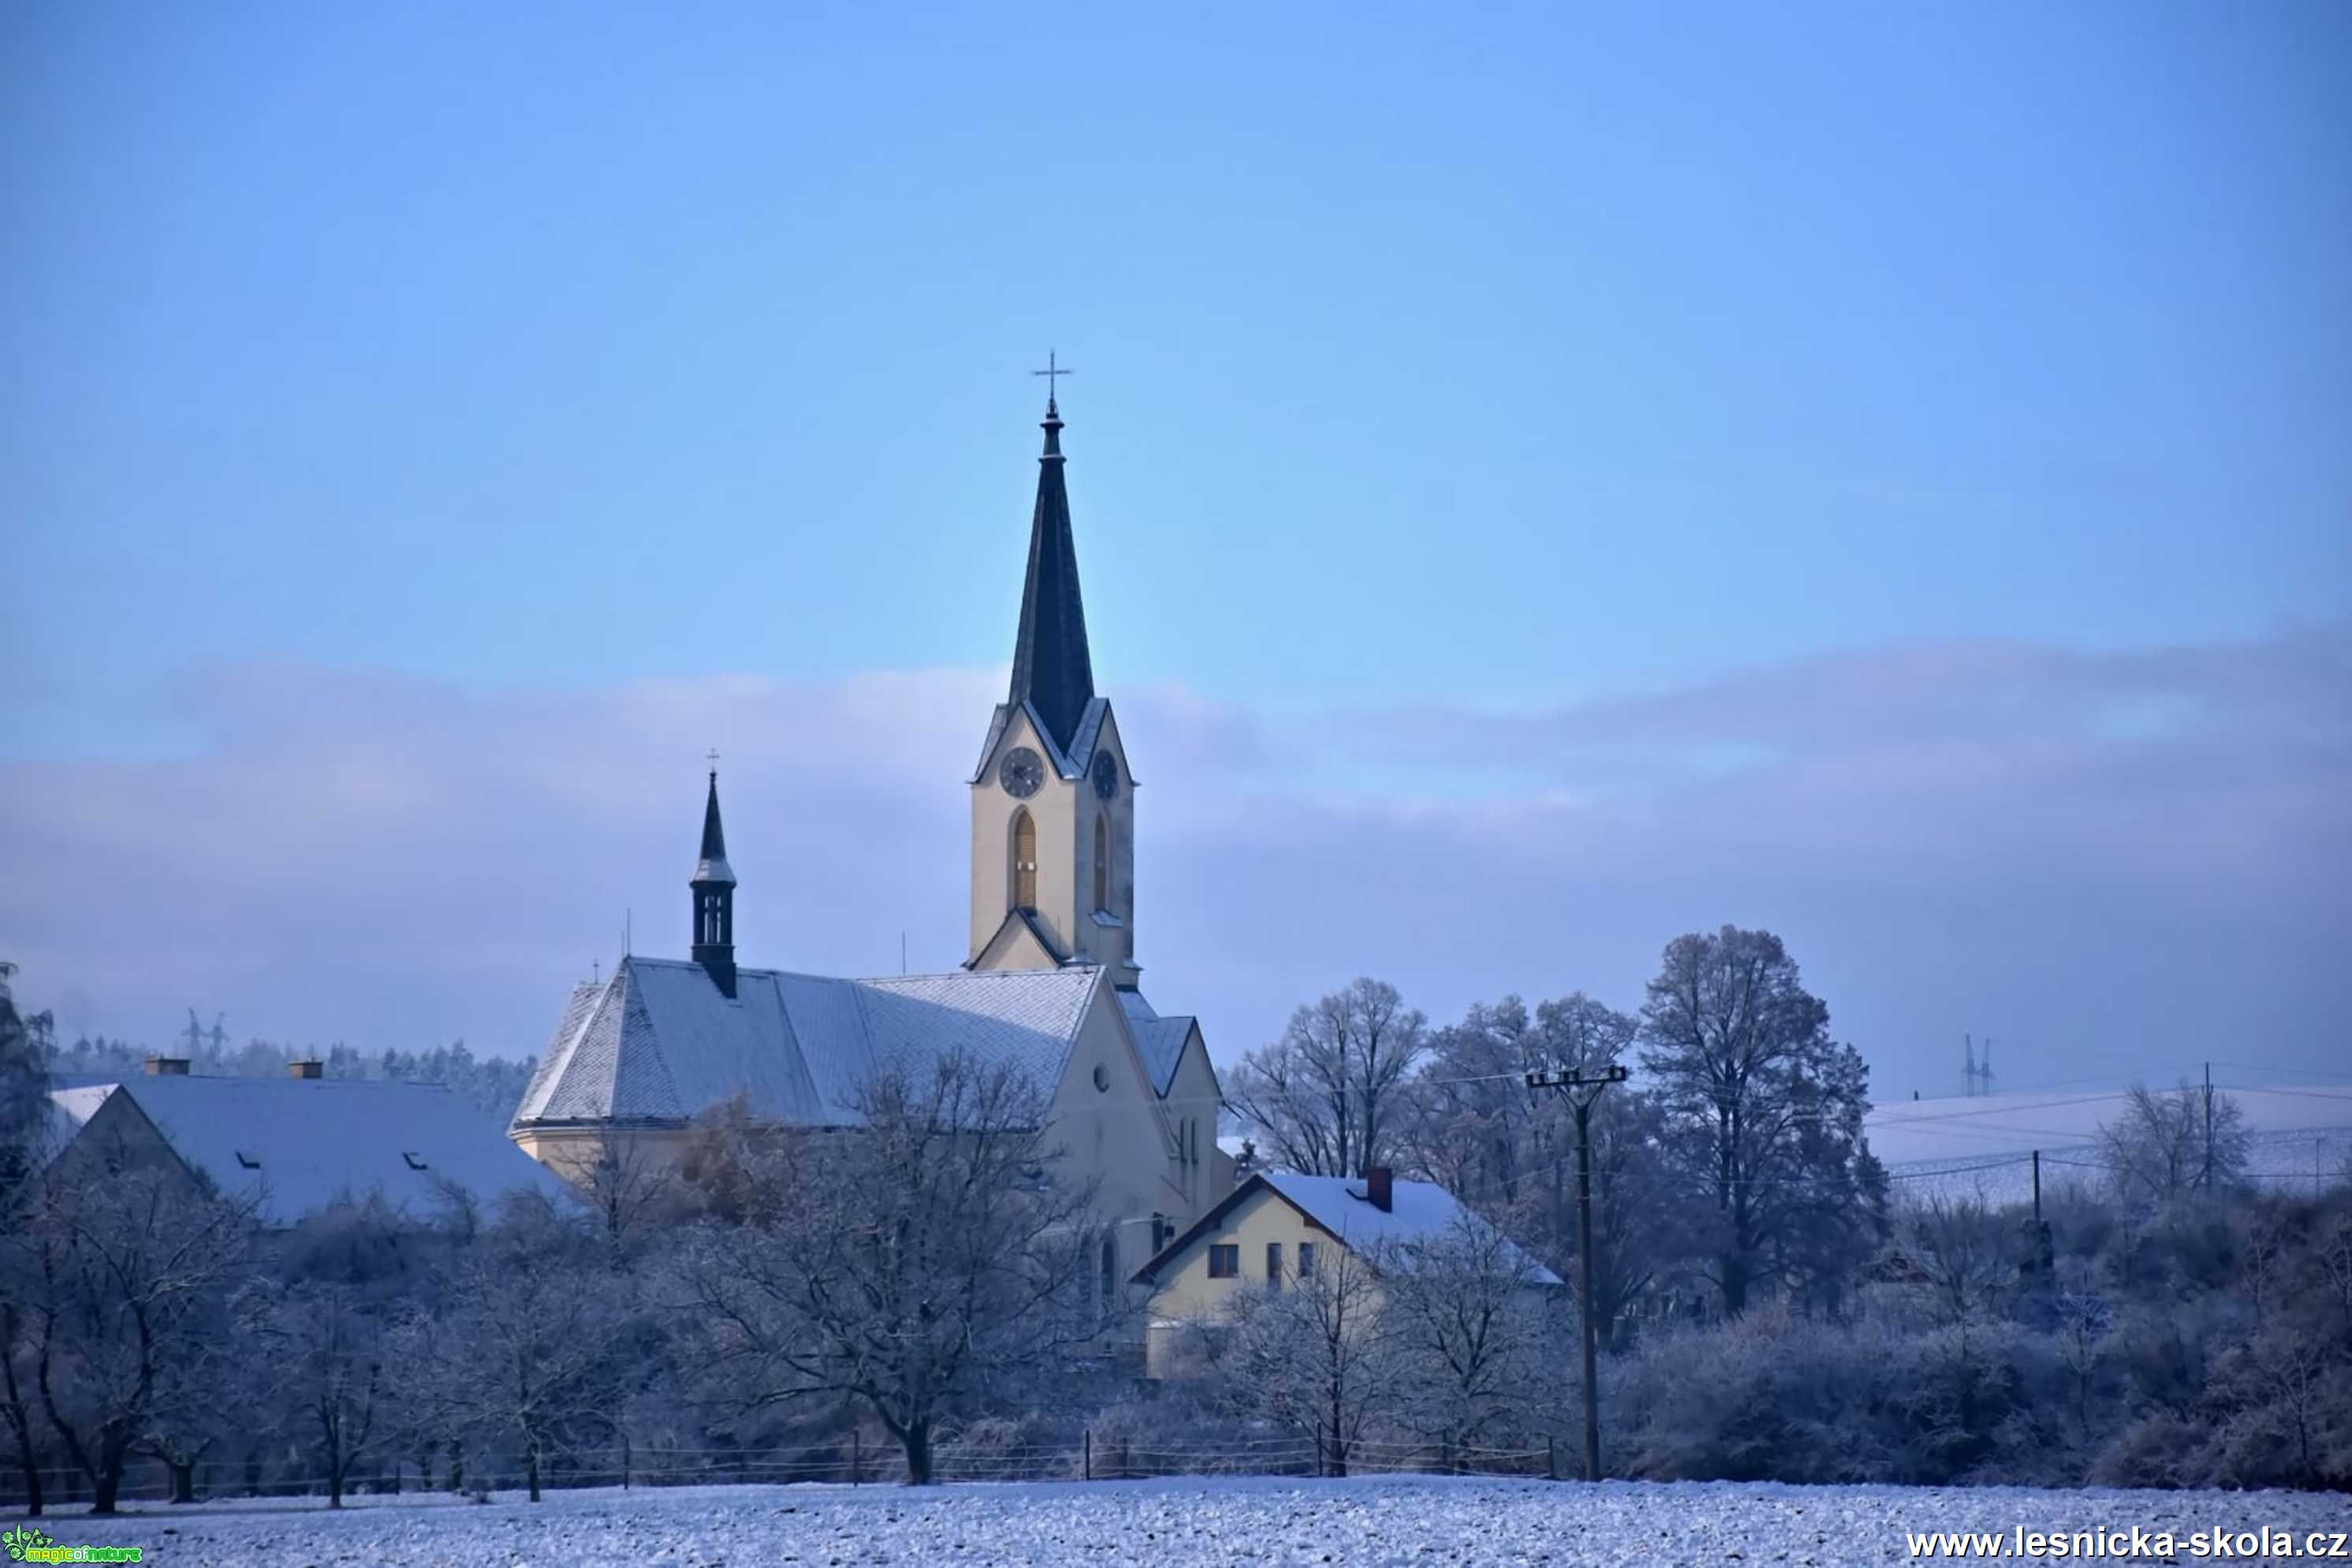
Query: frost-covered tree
[(1509, 1152), (331, 1351), (1765, 1112), (121, 1278), (1316, 1356), (2165, 1145), (924, 1266), (24, 1108), (1966, 1254), (1330, 1097), (525, 1349), (1475, 1342)]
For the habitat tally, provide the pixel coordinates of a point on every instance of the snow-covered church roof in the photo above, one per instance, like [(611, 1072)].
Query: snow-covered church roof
[(1161, 1040), (658, 1042)]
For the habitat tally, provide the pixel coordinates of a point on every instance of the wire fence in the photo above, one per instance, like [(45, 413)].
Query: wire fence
[(854, 1462)]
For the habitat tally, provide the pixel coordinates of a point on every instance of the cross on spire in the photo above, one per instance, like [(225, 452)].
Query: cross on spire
[(1052, 372), (713, 759)]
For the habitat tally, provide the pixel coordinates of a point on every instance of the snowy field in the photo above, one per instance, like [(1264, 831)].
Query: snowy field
[(1382, 1520)]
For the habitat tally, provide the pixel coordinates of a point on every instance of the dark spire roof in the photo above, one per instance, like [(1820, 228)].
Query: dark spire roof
[(1051, 669), (712, 866)]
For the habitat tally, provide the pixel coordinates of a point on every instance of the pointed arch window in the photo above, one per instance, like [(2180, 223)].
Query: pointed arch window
[(1025, 861), (1109, 1268), (1102, 862)]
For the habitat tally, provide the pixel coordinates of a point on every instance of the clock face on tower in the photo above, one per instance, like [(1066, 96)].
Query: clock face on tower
[(1021, 773), (1106, 776)]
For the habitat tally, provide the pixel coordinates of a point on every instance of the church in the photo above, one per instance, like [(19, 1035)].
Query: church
[(1052, 990)]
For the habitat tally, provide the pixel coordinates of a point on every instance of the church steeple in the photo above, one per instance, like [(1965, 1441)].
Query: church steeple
[(1051, 668), (714, 898)]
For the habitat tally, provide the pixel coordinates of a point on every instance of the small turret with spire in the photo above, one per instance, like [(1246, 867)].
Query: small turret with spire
[(714, 898)]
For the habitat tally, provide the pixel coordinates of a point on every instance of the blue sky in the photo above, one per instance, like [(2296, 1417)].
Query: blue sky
[(1501, 366)]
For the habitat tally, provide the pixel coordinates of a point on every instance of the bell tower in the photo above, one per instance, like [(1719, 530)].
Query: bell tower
[(1052, 816)]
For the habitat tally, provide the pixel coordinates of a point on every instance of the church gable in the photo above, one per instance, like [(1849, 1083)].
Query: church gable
[(1020, 942)]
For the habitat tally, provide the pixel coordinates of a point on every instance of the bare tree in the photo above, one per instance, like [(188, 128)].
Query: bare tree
[(122, 1273), (1331, 1095), (2159, 1149), (630, 1190), (325, 1352), (2333, 1252), (915, 1266), (1471, 1332), (1768, 1108), (524, 1349), (1967, 1255), (1314, 1356), (24, 1128)]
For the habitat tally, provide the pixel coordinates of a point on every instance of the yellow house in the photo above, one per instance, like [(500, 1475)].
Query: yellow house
[(1275, 1229)]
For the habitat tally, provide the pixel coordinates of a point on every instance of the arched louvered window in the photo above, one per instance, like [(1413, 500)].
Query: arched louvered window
[(1109, 1268), (1025, 861), (1102, 862)]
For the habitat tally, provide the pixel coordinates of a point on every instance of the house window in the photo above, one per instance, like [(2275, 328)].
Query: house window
[(1225, 1261), (1274, 1265), (1307, 1259), (1025, 861), (1102, 865)]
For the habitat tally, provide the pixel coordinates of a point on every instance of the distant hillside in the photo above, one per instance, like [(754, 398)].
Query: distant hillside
[(492, 1083), (2299, 1135)]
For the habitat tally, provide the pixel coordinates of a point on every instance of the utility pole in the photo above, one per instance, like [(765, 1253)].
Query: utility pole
[(1582, 1088)]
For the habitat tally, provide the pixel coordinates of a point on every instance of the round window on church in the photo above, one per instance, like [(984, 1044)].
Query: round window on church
[(1102, 1078)]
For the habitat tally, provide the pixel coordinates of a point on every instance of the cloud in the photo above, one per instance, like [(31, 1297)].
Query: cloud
[(2115, 862)]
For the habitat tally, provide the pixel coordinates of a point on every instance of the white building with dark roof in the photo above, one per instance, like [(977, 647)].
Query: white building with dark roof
[(1052, 988)]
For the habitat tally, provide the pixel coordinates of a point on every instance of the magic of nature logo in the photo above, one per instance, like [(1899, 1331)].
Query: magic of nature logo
[(28, 1543)]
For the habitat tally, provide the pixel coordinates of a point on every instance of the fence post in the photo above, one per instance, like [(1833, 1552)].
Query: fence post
[(1090, 1453), (856, 1439), (1551, 1459)]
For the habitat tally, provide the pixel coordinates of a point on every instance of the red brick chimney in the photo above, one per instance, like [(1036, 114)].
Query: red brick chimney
[(1379, 1187)]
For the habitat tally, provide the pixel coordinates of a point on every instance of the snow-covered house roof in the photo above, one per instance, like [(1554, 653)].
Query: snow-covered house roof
[(301, 1144), (659, 1042), (1342, 1207), (1159, 1039)]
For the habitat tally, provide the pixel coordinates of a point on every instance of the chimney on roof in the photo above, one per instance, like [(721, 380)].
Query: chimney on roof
[(309, 1067), (1379, 1186), (167, 1067)]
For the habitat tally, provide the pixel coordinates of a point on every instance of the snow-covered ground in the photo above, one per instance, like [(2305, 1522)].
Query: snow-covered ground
[(1201, 1523)]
